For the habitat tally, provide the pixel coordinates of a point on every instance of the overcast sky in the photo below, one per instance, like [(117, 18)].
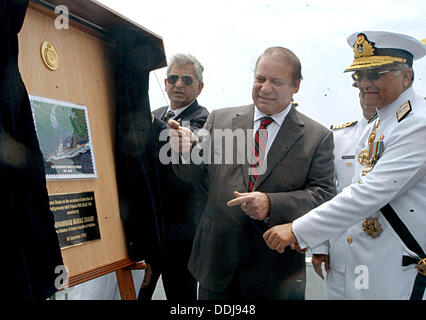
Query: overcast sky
[(228, 36)]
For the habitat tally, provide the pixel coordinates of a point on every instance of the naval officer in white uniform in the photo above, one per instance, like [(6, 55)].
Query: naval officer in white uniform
[(385, 208), (347, 137)]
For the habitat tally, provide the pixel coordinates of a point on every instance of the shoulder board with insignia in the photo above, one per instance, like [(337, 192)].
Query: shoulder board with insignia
[(403, 110), (344, 125)]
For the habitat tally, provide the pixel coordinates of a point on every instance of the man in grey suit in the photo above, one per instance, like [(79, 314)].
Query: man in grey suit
[(229, 258)]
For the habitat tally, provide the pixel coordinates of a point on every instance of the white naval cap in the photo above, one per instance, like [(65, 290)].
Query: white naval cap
[(373, 49)]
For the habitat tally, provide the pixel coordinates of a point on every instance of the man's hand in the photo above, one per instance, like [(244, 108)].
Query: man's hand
[(181, 138), (255, 204), (147, 276), (317, 261), (280, 236)]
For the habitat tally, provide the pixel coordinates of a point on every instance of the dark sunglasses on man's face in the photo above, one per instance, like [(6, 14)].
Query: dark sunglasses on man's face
[(173, 78), (372, 75)]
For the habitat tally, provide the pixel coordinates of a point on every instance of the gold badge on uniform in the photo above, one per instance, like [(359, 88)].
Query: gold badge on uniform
[(363, 157), (372, 227), (421, 267)]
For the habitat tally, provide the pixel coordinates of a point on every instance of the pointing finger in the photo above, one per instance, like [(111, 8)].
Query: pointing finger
[(173, 124), (236, 202)]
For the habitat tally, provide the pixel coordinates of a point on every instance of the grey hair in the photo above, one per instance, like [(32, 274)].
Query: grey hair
[(403, 66), (183, 59)]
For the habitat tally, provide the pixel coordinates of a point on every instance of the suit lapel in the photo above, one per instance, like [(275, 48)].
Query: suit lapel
[(244, 120), (291, 130), (187, 111), (160, 112)]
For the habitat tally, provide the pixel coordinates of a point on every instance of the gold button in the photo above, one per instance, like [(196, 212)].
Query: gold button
[(349, 239), (348, 164)]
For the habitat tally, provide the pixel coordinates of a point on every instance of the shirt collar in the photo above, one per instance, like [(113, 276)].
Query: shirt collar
[(278, 117), (180, 110)]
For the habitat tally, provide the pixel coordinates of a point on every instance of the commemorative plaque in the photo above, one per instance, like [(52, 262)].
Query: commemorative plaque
[(76, 220)]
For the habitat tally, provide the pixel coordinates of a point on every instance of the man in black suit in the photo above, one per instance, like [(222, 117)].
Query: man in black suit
[(182, 202)]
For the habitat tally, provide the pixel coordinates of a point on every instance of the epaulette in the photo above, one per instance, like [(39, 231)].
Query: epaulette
[(344, 125), (403, 110)]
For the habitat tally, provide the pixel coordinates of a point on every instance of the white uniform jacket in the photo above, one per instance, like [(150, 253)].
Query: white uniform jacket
[(346, 143), (374, 265)]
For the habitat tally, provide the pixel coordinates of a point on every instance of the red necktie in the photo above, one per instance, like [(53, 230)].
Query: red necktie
[(260, 140)]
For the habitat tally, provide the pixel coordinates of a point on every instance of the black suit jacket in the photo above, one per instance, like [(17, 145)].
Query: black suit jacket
[(182, 202), (299, 177)]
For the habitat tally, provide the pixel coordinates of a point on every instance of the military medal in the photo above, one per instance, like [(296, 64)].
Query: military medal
[(362, 157), (366, 170), (375, 151), (368, 157), (372, 227)]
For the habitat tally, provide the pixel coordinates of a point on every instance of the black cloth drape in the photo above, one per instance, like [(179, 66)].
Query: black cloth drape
[(30, 249), (134, 57)]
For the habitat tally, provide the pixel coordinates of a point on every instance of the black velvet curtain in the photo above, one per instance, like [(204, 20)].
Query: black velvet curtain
[(29, 245), (135, 55)]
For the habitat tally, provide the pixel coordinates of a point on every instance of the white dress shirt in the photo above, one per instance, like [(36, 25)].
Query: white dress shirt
[(272, 128)]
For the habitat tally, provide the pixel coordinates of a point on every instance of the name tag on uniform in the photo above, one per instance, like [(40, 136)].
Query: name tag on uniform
[(351, 156)]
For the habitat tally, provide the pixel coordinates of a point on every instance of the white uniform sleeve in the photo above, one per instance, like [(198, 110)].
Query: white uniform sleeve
[(401, 166)]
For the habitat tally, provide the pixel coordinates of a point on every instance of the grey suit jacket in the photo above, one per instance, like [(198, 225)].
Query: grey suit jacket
[(299, 177)]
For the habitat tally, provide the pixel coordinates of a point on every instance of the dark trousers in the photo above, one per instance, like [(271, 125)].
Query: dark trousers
[(178, 284), (240, 288)]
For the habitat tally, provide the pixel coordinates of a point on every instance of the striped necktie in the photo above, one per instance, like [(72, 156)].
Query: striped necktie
[(259, 149), (170, 114)]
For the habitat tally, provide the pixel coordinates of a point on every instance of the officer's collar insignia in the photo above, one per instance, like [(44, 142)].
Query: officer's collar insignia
[(343, 125), (403, 110), (363, 47)]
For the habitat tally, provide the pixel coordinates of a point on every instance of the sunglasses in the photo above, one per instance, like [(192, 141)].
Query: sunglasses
[(173, 78), (373, 75)]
